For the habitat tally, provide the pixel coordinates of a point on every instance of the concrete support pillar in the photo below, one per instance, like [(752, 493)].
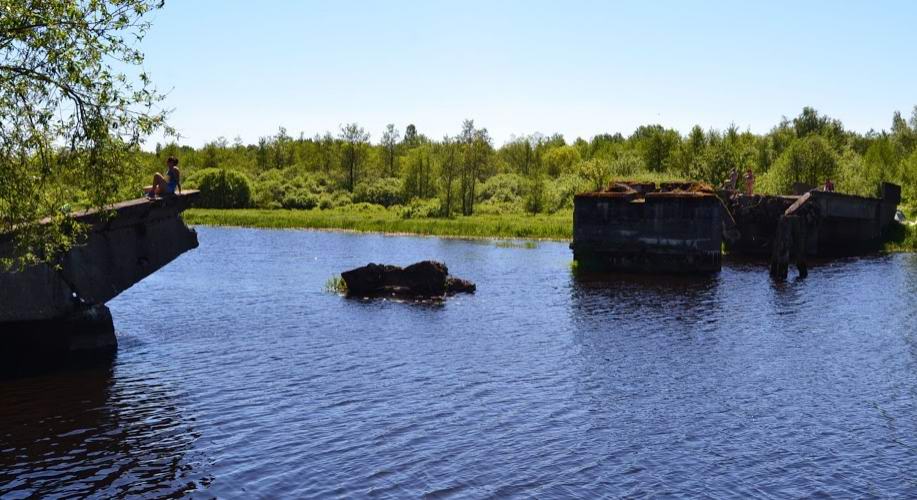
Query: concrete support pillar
[(84, 335)]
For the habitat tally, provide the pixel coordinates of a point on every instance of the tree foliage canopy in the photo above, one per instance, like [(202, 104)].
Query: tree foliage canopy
[(74, 106)]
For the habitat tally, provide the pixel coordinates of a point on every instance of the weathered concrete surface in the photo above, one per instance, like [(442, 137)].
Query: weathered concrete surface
[(426, 279), (675, 228), (143, 237), (790, 246), (756, 219), (89, 329), (847, 224), (835, 224), (34, 346)]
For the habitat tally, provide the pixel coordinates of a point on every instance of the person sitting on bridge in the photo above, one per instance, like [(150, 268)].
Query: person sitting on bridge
[(161, 186)]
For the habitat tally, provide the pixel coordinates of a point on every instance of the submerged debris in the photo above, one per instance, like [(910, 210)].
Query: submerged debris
[(426, 279)]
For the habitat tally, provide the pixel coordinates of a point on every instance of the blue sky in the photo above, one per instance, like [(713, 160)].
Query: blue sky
[(234, 68)]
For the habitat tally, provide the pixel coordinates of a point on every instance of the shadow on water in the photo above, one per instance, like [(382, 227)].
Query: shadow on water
[(15, 364), (86, 432)]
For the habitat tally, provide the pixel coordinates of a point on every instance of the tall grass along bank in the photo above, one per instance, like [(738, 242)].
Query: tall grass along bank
[(558, 226)]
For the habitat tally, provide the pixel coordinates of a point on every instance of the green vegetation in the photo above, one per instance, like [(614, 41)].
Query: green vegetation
[(223, 189), (71, 120), (467, 175), (901, 238), (464, 186), (374, 218), (336, 284)]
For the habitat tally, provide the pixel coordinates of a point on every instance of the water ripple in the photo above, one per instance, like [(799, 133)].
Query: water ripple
[(255, 383)]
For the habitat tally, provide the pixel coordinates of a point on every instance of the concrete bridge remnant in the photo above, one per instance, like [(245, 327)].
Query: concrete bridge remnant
[(681, 227), (642, 227), (836, 224), (60, 309)]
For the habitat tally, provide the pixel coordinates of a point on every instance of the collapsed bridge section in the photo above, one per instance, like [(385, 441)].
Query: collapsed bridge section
[(61, 306)]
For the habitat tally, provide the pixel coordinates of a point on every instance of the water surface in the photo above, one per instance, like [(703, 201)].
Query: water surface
[(238, 376)]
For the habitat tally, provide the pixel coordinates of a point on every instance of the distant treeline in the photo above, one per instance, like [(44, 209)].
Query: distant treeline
[(467, 173)]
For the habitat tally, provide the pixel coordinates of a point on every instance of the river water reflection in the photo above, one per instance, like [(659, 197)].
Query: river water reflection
[(238, 375)]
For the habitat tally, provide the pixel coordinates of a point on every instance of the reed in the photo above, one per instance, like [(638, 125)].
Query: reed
[(557, 226)]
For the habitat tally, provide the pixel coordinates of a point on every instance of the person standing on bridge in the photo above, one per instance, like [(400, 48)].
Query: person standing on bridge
[(168, 184), (749, 182), (733, 180)]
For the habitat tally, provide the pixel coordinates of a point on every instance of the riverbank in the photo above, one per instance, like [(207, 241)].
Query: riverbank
[(557, 226)]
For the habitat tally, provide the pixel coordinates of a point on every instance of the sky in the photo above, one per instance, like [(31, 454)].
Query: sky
[(579, 68)]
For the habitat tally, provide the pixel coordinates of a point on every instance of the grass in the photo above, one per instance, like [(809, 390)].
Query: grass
[(901, 238), (336, 284), (557, 226)]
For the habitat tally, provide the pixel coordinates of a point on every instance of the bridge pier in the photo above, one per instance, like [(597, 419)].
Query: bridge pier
[(51, 312), (79, 336)]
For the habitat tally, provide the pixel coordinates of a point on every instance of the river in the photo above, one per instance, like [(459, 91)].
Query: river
[(238, 375)]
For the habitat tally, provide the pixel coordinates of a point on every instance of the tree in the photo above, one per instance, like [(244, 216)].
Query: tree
[(560, 160), (410, 136), (656, 144), (596, 172), (449, 165), (904, 136), (355, 141), (810, 122), (262, 153), (283, 149), (523, 154), (417, 174), (68, 110), (327, 150), (390, 146), (810, 161), (477, 146)]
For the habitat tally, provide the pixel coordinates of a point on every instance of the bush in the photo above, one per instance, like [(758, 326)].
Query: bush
[(268, 193), (535, 199), (499, 208), (300, 199), (810, 160), (597, 173), (564, 189), (342, 199), (421, 209), (385, 192), (325, 202), (366, 208), (907, 178), (561, 160), (223, 189), (503, 188)]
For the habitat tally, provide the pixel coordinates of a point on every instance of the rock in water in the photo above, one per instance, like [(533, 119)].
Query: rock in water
[(427, 278), (424, 279), (364, 280), (458, 285)]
